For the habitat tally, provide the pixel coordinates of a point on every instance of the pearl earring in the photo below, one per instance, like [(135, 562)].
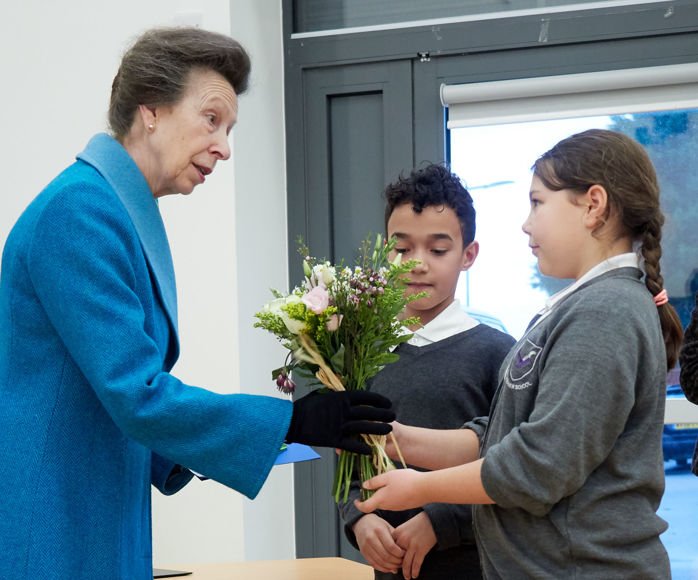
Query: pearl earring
[(151, 127)]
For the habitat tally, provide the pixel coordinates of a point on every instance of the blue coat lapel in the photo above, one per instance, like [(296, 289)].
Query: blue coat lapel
[(116, 166)]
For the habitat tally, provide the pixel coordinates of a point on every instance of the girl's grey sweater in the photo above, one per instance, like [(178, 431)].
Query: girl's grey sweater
[(573, 449)]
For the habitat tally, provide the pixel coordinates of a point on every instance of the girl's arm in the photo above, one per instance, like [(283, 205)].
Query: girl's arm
[(433, 448), (405, 488)]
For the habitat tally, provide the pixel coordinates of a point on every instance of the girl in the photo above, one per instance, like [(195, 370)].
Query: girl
[(570, 468)]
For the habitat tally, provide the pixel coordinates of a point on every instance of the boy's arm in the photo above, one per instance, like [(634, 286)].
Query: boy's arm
[(433, 448), (349, 513), (452, 524)]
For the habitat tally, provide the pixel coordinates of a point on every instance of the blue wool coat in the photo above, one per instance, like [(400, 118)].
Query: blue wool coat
[(89, 414)]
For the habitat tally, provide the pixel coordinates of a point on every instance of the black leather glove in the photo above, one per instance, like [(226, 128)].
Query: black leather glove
[(330, 419)]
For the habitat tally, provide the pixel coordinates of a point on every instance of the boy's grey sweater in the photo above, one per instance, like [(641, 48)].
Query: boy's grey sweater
[(573, 450), (440, 385)]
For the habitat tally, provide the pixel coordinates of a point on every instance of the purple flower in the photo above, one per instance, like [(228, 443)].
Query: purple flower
[(284, 383)]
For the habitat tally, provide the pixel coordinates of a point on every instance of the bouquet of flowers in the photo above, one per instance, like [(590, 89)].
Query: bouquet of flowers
[(340, 328)]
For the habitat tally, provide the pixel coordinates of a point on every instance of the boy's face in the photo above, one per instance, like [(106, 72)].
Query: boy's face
[(434, 238)]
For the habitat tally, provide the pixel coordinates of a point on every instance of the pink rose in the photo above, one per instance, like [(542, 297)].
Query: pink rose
[(317, 299), (333, 322)]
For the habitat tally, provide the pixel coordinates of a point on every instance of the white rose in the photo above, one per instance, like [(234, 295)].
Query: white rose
[(294, 326), (274, 307), (324, 273)]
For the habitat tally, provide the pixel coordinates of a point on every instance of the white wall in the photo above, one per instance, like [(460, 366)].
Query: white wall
[(262, 251), (228, 238)]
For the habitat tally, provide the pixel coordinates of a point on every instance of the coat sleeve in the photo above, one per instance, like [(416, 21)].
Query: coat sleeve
[(166, 476), (86, 265), (688, 358)]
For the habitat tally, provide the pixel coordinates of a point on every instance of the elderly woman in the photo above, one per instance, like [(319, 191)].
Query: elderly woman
[(90, 414)]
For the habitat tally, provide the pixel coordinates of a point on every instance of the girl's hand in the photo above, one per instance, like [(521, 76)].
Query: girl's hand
[(396, 490)]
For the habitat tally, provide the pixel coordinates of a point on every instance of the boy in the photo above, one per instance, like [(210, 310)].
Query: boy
[(446, 375)]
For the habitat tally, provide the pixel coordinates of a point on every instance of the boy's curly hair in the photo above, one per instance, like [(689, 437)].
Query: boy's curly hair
[(433, 185)]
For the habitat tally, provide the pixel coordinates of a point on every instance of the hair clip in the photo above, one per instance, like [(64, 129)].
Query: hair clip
[(661, 298)]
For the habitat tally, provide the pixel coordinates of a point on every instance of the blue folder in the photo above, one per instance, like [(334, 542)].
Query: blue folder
[(295, 452)]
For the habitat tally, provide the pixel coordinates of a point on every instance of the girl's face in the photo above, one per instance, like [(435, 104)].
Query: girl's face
[(558, 233)]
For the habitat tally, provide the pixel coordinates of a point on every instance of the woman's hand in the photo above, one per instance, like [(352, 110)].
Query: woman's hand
[(332, 419), (375, 539), (396, 490)]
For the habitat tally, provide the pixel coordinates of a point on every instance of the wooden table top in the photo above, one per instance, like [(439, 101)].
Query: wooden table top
[(299, 569)]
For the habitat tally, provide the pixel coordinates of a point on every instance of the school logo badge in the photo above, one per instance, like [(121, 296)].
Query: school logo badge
[(522, 365)]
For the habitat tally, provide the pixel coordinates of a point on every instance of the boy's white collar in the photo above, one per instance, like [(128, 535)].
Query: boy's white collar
[(452, 320)]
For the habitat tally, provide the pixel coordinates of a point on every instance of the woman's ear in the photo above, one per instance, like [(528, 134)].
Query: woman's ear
[(148, 116), (596, 201)]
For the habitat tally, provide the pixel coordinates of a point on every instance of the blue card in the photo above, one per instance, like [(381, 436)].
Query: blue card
[(295, 452)]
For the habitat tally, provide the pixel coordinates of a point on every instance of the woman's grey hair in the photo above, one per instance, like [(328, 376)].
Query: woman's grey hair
[(155, 70)]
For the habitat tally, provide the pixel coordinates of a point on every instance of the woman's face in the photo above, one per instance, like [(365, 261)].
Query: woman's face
[(185, 140)]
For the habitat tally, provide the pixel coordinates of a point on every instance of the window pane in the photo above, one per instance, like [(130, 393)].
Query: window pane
[(504, 282), (316, 15)]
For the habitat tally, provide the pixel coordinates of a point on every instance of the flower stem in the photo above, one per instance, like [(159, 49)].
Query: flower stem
[(348, 474), (338, 476), (367, 472)]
